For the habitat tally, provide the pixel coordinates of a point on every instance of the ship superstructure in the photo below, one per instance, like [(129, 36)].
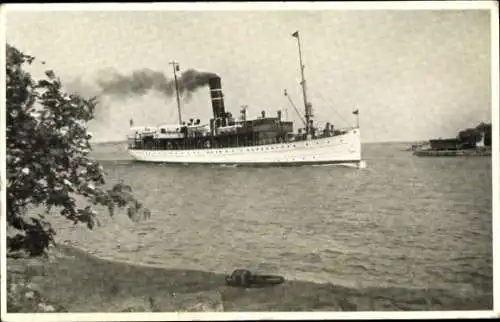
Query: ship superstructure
[(238, 140)]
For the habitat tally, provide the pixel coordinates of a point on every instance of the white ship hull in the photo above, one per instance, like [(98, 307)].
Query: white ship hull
[(343, 149)]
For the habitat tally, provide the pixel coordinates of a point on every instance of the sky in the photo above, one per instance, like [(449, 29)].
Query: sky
[(413, 74)]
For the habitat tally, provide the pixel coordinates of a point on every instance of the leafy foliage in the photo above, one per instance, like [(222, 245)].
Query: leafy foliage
[(469, 137), (48, 162), (486, 129)]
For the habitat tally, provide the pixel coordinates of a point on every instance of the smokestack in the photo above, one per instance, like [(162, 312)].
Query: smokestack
[(244, 112), (214, 83)]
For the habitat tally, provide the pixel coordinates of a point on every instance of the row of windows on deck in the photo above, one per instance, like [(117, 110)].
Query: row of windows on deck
[(200, 144), (261, 148), (166, 144)]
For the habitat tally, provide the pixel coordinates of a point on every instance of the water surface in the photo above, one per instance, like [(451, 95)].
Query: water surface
[(404, 221)]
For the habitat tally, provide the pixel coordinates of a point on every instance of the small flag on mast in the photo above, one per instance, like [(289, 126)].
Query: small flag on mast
[(295, 34), (355, 112)]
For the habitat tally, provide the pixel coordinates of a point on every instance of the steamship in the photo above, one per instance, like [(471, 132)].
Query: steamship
[(228, 140)]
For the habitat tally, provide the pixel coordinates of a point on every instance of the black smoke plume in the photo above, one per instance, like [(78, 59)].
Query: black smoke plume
[(140, 82)]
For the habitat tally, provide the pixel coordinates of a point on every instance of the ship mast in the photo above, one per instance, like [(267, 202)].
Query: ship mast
[(307, 105), (175, 67)]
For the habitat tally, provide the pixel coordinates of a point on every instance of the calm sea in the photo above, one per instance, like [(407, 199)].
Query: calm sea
[(404, 221)]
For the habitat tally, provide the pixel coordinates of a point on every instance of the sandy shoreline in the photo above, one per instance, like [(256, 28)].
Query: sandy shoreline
[(80, 282)]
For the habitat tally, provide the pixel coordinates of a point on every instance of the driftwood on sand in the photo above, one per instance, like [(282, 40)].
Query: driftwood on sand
[(245, 278)]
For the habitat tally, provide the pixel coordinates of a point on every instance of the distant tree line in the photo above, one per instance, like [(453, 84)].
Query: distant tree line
[(469, 137)]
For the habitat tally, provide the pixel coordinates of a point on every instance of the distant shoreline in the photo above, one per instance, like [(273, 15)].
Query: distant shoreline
[(453, 153), (107, 142)]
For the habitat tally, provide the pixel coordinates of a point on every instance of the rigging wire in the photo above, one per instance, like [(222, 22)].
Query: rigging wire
[(300, 115), (294, 107), (347, 123)]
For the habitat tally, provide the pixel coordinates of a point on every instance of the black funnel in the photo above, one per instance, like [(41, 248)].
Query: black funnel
[(214, 83)]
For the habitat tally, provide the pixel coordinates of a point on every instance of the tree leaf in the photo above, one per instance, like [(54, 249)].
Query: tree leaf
[(48, 160)]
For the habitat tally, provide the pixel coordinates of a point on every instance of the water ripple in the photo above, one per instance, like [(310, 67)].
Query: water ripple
[(403, 222)]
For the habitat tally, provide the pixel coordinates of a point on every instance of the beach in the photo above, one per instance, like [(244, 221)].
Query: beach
[(71, 280)]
